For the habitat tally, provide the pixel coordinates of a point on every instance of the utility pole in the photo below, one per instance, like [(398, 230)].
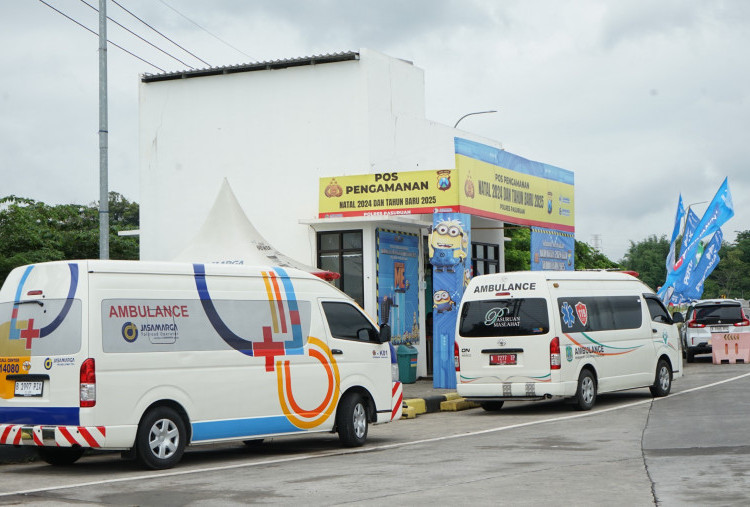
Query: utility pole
[(103, 132), (597, 242)]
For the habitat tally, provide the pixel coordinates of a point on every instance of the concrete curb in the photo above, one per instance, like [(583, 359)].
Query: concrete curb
[(449, 402)]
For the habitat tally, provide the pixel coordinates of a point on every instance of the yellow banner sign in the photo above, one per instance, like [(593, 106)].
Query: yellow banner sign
[(496, 192), (394, 193), (487, 182)]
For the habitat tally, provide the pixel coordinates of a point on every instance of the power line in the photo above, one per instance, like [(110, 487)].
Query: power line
[(144, 40), (157, 31), (90, 30), (205, 30)]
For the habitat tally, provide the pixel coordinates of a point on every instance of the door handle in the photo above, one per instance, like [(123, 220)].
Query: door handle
[(337, 351), (654, 330)]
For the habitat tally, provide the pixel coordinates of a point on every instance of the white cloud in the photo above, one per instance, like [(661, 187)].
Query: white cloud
[(641, 99)]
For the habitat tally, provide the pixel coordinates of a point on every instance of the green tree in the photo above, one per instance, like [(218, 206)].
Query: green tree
[(590, 258), (648, 258), (518, 253), (32, 231), (518, 249), (731, 277)]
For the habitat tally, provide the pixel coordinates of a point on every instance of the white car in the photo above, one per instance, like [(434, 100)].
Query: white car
[(710, 316)]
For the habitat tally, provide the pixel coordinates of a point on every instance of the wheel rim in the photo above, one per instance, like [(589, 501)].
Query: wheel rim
[(164, 438), (587, 389), (359, 418), (664, 378)]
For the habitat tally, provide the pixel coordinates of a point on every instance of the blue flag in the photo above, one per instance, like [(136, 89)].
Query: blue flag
[(691, 222), (675, 232), (719, 211), (706, 264)]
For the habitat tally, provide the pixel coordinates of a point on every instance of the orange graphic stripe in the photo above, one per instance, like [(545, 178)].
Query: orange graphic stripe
[(600, 353), (269, 293), (333, 386), (279, 301), (317, 410)]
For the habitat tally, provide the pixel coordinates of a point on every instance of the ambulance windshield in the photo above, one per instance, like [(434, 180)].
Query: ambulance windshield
[(504, 317)]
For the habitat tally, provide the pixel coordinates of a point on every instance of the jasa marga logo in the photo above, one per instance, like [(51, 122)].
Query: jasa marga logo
[(130, 332)]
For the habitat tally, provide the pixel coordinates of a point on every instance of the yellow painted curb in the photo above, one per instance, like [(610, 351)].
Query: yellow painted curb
[(457, 404), (452, 396), (408, 413), (418, 404)]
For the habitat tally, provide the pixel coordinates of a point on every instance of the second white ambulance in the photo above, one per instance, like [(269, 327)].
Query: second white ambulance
[(537, 335)]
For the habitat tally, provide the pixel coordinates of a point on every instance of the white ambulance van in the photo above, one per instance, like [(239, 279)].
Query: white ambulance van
[(147, 358), (536, 335)]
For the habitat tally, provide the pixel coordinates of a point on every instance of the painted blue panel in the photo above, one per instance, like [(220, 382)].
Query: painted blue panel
[(50, 416), (502, 158), (234, 428), (552, 250), (451, 271)]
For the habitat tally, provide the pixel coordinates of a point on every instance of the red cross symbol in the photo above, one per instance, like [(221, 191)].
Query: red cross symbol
[(29, 333), (268, 348)]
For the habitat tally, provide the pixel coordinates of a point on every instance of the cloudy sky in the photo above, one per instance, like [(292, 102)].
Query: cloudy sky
[(643, 100)]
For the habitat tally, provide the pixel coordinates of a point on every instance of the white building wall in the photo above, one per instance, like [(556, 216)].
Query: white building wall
[(273, 134)]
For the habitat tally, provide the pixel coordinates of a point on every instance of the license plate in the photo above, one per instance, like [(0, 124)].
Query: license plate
[(719, 329), (26, 388), (502, 359)]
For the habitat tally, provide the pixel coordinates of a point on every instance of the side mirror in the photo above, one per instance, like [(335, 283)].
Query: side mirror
[(677, 317), (385, 333)]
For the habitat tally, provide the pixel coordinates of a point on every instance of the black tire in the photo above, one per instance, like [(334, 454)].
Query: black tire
[(351, 420), (161, 439), (689, 356), (586, 392), (60, 456), (491, 406), (663, 380)]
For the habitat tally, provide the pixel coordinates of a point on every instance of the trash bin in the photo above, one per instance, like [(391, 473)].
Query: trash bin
[(407, 364)]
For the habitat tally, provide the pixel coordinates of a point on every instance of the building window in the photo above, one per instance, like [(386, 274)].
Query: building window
[(485, 258), (341, 252)]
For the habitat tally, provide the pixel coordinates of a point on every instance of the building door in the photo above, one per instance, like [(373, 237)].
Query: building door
[(427, 302)]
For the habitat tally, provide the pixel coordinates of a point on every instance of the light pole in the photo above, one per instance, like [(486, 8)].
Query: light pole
[(687, 214), (103, 136), (469, 114)]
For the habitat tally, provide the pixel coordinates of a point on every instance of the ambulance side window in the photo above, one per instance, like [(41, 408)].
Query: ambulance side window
[(346, 322), (657, 311)]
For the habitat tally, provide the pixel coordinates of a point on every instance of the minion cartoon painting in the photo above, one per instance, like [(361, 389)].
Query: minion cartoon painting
[(442, 301), (448, 246)]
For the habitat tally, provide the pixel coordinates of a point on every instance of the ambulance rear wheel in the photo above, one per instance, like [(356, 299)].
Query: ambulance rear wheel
[(586, 392), (60, 456), (160, 441), (663, 381), (351, 420), (491, 406)]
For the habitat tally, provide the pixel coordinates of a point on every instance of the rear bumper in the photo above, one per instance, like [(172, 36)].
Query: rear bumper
[(53, 436), (701, 348), (519, 391)]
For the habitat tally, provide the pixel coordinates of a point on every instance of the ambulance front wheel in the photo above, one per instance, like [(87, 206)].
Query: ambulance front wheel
[(60, 456), (160, 441), (586, 392), (351, 420)]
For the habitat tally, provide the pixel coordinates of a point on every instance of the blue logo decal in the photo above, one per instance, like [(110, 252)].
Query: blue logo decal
[(568, 315), (130, 332)]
